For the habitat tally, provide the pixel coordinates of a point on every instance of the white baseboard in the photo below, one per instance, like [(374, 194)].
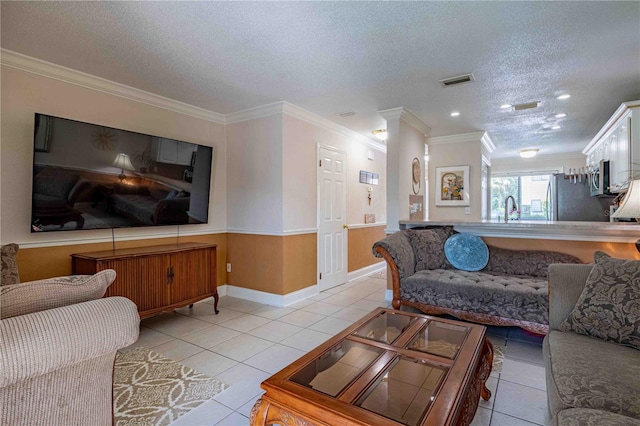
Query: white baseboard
[(388, 295), (363, 272), (267, 298)]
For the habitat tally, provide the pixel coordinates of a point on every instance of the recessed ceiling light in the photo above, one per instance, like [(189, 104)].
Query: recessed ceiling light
[(565, 96), (455, 114), (556, 127), (505, 106), (529, 152), (561, 115)]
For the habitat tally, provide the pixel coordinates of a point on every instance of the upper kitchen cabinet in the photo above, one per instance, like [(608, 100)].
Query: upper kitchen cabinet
[(172, 152), (619, 143)]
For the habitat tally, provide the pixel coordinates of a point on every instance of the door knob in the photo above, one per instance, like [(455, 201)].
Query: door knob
[(345, 226)]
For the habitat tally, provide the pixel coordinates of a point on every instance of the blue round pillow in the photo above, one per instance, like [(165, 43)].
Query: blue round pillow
[(466, 252)]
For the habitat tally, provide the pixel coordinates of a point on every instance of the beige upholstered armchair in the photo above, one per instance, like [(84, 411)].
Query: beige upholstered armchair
[(58, 343)]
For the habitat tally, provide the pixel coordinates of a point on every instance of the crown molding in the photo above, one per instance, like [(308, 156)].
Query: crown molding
[(407, 116), (487, 142), (464, 137), (57, 72), (622, 111)]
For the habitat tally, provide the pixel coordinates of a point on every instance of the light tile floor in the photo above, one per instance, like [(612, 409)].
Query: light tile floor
[(248, 342)]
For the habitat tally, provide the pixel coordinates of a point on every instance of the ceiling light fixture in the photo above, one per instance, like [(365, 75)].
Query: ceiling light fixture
[(556, 127), (561, 115), (381, 134), (528, 152), (565, 96), (505, 106), (455, 114)]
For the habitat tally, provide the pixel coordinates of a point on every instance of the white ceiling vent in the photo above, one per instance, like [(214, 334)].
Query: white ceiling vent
[(528, 105), (460, 79)]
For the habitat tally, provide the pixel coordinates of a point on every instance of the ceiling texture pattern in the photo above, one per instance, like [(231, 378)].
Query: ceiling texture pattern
[(361, 57)]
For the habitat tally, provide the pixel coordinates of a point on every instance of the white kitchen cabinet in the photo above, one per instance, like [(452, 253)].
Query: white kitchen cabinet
[(171, 151), (618, 142)]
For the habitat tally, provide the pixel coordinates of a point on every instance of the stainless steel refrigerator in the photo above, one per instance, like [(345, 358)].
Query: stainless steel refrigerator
[(571, 200)]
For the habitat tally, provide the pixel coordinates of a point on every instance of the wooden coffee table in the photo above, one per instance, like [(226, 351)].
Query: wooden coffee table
[(389, 368)]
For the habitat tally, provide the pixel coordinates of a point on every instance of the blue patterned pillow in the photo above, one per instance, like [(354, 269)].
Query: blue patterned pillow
[(466, 252)]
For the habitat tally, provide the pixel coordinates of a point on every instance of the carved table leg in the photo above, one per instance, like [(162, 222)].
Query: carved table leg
[(259, 413), (487, 365)]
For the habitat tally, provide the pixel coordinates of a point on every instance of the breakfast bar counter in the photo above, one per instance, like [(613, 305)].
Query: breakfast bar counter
[(614, 232)]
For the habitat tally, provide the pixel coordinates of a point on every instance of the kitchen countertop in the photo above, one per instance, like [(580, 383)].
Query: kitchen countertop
[(619, 232)]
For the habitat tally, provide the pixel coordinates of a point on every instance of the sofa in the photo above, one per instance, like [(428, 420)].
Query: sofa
[(150, 205), (59, 343), (592, 351), (511, 290)]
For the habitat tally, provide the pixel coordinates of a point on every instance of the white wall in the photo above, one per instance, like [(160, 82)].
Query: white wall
[(254, 175), (300, 142), (464, 153), (24, 94)]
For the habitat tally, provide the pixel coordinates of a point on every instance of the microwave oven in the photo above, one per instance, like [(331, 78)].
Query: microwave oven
[(599, 179)]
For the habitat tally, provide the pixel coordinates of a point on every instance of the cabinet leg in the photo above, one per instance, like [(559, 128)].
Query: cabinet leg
[(215, 303), (191, 306)]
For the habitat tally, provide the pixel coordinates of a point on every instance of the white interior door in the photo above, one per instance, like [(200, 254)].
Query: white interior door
[(332, 232)]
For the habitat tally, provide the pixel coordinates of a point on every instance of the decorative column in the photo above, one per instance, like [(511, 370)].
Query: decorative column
[(406, 136)]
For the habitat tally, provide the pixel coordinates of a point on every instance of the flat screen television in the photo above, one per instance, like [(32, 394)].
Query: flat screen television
[(88, 176)]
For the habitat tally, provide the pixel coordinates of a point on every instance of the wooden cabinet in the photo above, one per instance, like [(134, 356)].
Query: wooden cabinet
[(172, 152), (618, 142), (158, 278)]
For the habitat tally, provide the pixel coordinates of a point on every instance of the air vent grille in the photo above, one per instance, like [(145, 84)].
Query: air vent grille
[(460, 79), (528, 105)]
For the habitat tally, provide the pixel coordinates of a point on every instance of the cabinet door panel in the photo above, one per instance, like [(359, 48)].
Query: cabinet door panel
[(142, 279), (194, 272)]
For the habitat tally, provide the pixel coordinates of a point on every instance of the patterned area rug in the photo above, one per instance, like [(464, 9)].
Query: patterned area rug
[(498, 357), (151, 390)]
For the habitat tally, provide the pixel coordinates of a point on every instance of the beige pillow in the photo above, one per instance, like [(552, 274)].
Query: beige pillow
[(10, 274), (34, 296)]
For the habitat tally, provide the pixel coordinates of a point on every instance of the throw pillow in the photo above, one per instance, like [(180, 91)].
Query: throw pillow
[(52, 293), (466, 252), (10, 274), (609, 306), (428, 248)]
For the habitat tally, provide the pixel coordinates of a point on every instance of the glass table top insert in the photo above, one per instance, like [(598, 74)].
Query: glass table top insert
[(440, 339), (405, 391), (386, 327)]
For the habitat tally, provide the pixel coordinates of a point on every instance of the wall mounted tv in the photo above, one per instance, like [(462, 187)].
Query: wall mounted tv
[(87, 176)]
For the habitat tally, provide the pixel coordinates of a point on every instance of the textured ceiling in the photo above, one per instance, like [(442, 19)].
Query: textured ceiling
[(334, 57)]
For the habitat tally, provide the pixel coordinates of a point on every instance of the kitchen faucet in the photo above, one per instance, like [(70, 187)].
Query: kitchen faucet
[(506, 207)]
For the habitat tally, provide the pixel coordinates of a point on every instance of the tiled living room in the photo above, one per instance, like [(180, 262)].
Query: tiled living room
[(247, 342)]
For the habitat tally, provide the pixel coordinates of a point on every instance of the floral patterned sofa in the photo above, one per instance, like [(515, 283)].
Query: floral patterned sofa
[(510, 291), (592, 351)]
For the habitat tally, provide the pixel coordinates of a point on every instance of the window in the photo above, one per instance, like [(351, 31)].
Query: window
[(530, 191)]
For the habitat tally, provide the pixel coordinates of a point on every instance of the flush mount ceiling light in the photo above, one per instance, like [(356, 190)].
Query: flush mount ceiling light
[(561, 115), (565, 96), (528, 152), (455, 114), (381, 134)]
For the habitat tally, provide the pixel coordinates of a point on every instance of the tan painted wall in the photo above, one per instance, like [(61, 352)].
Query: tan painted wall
[(360, 242), (273, 264), (54, 261), (581, 249)]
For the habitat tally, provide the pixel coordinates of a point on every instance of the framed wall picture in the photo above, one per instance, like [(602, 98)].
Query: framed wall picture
[(452, 186), (416, 173)]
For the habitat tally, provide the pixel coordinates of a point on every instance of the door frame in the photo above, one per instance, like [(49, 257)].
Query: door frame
[(320, 255)]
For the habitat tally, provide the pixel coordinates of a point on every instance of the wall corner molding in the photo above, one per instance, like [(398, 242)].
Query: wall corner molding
[(487, 142), (407, 116), (461, 138)]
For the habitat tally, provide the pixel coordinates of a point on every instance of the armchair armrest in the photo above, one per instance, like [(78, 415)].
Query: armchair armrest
[(566, 282), (397, 251), (41, 342)]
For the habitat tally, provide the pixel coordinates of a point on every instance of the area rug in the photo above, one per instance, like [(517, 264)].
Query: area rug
[(498, 357), (151, 390)]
